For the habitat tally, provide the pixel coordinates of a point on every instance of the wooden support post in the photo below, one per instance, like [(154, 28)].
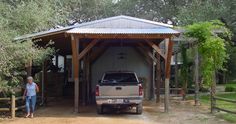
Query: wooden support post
[(153, 77), (65, 70), (158, 77), (56, 60), (88, 84), (13, 105), (176, 72), (44, 79), (196, 76), (29, 68), (169, 47), (76, 63), (213, 93), (84, 82)]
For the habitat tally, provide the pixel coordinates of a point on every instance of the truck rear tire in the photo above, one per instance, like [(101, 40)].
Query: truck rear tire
[(99, 109), (139, 108)]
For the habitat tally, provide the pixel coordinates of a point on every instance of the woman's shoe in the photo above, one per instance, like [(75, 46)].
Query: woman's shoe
[(27, 115), (32, 116)]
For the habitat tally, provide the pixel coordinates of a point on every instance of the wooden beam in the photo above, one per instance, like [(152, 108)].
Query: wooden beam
[(156, 48), (98, 52), (88, 48), (75, 62), (169, 46), (141, 51), (147, 52), (125, 36)]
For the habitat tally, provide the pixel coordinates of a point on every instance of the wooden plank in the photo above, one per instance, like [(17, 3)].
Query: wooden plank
[(88, 48), (4, 109), (75, 62), (20, 107), (5, 99), (155, 47), (228, 111), (169, 47), (224, 99), (19, 97)]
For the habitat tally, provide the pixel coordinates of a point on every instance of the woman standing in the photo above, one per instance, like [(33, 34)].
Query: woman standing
[(30, 96)]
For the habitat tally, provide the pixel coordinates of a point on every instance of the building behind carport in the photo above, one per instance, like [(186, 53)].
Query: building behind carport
[(112, 44)]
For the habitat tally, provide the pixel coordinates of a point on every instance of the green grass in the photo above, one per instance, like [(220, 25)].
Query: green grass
[(205, 99)]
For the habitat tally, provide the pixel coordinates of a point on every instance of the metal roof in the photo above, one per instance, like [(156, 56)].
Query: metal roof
[(122, 31), (117, 22)]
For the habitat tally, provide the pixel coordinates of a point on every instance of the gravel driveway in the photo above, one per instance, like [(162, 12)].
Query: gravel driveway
[(61, 112)]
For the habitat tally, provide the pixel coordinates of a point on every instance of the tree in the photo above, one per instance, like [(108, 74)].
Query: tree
[(18, 18), (212, 48)]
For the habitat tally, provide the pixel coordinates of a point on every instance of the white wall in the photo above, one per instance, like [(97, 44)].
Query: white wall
[(132, 61)]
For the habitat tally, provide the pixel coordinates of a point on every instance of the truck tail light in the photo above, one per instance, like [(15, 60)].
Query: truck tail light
[(97, 90), (140, 90)]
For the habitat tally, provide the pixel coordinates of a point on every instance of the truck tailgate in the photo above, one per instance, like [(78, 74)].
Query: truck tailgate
[(131, 90)]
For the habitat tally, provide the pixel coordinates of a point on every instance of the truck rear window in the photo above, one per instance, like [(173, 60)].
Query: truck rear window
[(119, 78)]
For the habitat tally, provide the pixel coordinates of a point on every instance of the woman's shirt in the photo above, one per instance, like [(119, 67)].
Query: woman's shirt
[(31, 89)]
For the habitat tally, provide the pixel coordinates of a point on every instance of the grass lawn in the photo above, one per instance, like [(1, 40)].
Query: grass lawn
[(205, 99)]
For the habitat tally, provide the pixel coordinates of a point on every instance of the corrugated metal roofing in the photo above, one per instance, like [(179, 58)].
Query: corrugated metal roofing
[(122, 31), (111, 22)]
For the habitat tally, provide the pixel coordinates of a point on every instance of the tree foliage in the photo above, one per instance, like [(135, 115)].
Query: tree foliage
[(18, 18), (212, 47)]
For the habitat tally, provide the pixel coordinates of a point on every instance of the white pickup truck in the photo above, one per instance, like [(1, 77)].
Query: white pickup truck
[(119, 90)]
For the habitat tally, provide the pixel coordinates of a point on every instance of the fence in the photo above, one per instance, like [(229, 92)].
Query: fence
[(222, 109), (13, 107)]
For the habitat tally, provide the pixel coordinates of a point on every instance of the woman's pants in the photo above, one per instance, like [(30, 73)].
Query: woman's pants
[(30, 103)]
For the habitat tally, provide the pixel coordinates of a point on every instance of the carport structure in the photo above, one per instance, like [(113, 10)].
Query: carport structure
[(145, 32), (142, 34)]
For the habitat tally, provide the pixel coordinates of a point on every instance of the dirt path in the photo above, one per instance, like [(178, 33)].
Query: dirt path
[(181, 113)]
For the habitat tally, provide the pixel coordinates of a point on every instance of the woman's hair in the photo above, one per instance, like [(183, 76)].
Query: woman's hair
[(29, 78)]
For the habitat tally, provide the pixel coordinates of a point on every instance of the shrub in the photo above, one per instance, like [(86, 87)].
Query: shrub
[(229, 89)]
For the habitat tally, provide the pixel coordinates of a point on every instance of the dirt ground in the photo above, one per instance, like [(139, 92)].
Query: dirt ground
[(61, 112)]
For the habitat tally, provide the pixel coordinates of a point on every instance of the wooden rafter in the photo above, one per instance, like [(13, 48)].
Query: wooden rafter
[(147, 52), (156, 48), (88, 48), (98, 52), (141, 51)]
